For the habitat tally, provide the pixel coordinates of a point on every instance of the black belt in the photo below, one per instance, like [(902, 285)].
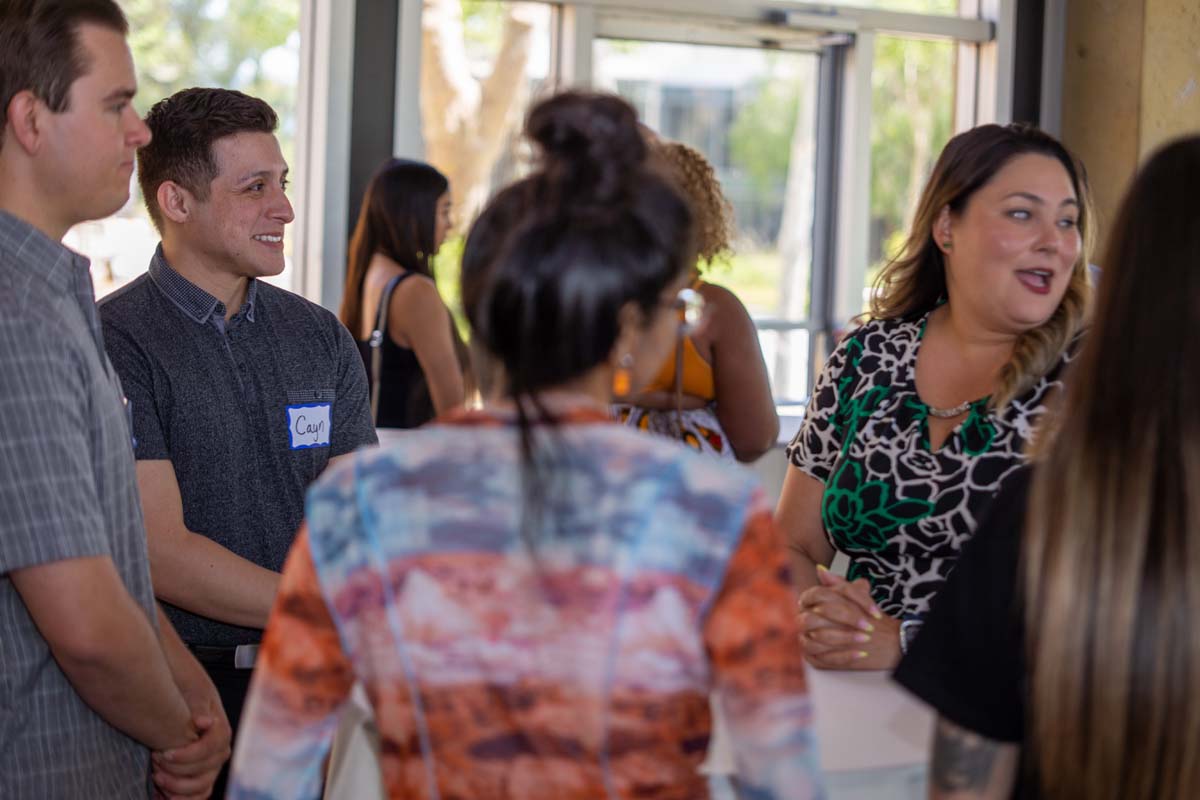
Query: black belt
[(240, 657)]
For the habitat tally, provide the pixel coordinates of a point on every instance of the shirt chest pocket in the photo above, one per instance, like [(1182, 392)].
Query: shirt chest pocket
[(309, 418)]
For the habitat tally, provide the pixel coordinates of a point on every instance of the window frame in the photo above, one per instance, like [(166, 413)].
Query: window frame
[(844, 37), (321, 174)]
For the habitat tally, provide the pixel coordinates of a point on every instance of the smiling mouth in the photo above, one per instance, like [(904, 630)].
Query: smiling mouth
[(263, 237)]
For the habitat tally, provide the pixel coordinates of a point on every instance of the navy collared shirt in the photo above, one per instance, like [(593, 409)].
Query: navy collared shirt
[(198, 304), (249, 411)]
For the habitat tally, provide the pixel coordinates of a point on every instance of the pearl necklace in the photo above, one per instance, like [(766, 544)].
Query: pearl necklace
[(948, 413)]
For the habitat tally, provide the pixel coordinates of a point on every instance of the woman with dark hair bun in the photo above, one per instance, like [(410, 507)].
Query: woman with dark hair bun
[(415, 360), (540, 601)]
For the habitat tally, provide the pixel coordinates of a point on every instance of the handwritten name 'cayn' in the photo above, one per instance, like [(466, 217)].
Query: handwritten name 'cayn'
[(305, 428)]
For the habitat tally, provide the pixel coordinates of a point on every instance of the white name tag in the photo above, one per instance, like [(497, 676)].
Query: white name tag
[(309, 425)]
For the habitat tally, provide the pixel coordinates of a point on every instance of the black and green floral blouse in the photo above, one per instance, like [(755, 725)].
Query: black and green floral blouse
[(899, 510)]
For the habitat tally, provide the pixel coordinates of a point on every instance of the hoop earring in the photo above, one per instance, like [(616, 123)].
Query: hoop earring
[(622, 376)]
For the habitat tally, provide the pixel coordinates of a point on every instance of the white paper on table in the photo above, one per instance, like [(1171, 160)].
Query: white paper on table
[(354, 768), (864, 721)]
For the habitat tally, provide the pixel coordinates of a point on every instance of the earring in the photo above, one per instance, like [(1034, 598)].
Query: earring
[(622, 376), (947, 245)]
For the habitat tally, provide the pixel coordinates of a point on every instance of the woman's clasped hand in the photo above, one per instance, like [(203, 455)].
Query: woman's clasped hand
[(841, 627)]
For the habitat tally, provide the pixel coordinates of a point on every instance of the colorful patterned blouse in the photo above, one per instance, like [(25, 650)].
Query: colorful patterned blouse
[(580, 668), (899, 510)]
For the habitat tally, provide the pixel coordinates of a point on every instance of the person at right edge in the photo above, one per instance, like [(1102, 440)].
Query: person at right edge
[(1061, 657)]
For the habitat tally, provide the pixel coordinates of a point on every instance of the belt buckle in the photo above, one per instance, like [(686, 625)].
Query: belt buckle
[(244, 656)]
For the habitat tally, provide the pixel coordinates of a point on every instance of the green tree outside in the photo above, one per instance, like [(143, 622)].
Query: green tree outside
[(912, 110), (177, 44)]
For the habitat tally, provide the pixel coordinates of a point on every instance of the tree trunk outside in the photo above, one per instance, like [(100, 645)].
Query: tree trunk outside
[(466, 120)]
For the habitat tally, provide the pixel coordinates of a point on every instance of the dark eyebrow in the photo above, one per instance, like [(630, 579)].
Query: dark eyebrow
[(1033, 198), (120, 94), (262, 173)]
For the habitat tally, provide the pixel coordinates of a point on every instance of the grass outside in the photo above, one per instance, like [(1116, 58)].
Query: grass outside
[(754, 277)]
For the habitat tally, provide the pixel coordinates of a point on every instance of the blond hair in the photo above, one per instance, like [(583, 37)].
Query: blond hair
[(1111, 554), (914, 282)]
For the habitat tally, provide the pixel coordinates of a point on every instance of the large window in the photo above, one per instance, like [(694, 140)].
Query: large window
[(482, 62), (823, 125), (822, 121), (752, 113), (249, 45), (912, 115)]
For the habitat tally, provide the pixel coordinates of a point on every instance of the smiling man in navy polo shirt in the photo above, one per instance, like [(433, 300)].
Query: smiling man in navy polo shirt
[(242, 393)]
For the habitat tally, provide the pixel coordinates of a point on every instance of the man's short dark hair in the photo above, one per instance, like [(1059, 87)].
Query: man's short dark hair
[(39, 47), (185, 125)]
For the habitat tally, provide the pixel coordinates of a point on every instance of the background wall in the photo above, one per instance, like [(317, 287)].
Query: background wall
[(1131, 81), (1170, 72)]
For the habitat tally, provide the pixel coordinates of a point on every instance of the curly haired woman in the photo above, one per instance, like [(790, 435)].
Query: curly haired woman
[(712, 391)]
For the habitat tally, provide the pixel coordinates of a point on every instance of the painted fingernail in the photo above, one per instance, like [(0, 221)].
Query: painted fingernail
[(822, 568), (862, 638), (876, 613), (866, 626), (860, 654)]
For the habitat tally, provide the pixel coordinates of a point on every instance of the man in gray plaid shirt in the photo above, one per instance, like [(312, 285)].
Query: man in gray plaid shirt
[(94, 677)]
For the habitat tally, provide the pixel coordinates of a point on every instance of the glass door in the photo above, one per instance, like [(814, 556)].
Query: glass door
[(749, 104)]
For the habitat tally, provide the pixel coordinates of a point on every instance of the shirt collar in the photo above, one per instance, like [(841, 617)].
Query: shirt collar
[(198, 304), (56, 264)]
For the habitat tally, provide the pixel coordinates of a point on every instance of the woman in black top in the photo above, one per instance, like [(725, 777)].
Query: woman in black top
[(1062, 656), (404, 219)]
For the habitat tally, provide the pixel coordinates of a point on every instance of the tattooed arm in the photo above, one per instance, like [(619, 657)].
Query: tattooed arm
[(967, 766)]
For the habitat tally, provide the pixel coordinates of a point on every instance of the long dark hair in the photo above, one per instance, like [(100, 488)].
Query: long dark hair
[(399, 220), (553, 258), (1112, 540), (914, 282)]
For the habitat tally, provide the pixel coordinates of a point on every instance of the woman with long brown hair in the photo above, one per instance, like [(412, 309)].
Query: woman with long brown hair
[(1067, 637), (922, 411), (391, 303)]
